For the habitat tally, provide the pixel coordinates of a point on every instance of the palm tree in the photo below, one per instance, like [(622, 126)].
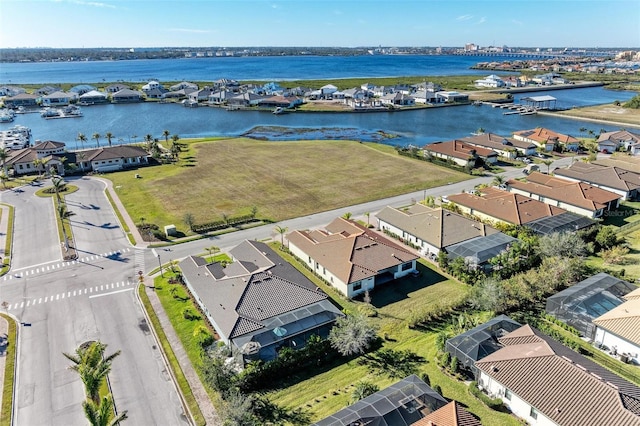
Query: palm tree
[(148, 138), (59, 185), (102, 414), (82, 138), (92, 366), (109, 136), (347, 215), (498, 180), (212, 251), (80, 156), (64, 214), (4, 178), (367, 214), (166, 134), (281, 230), (547, 163), (97, 137)]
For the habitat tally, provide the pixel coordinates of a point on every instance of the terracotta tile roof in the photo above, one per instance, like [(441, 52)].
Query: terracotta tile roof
[(459, 149), (623, 320), (436, 226), (452, 414), (493, 141), (618, 136), (114, 152), (349, 251), (542, 135), (505, 206), (552, 378), (608, 176), (48, 145), (579, 194)]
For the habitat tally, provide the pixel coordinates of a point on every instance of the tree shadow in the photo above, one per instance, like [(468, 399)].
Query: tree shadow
[(399, 289)]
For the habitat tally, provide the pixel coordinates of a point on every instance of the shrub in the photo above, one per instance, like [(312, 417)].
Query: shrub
[(494, 404), (189, 314)]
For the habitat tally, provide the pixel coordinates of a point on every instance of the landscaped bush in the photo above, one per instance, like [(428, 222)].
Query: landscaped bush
[(222, 224), (494, 404)]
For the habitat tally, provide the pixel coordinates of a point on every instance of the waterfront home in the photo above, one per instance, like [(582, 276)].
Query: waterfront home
[(430, 229), (45, 90), (258, 303), (492, 204), (93, 97), (452, 97), (201, 95), (245, 99), (11, 90), (110, 159), (423, 96), (461, 153), (618, 330), (127, 96), (115, 88), (610, 142), (155, 93), (221, 97), (548, 139), (280, 101), (403, 403), (585, 301), (183, 85), (545, 383), (492, 81), (26, 100), (327, 91), (505, 147), (37, 159), (58, 99), (351, 257), (397, 99), (152, 85), (81, 89), (577, 197), (615, 179)]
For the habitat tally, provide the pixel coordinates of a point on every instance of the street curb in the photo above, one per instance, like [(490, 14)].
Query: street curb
[(185, 406), (14, 405)]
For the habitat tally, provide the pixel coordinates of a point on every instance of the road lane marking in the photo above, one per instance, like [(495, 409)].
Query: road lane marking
[(110, 293)]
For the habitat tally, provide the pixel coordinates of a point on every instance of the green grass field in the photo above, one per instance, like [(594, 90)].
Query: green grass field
[(282, 179)]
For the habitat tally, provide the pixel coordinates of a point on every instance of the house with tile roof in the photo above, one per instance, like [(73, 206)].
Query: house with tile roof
[(493, 204), (402, 404), (110, 158), (614, 179), (545, 383), (258, 303), (577, 197), (26, 100), (59, 98), (23, 161), (619, 329), (547, 139), (430, 229), (127, 96), (452, 414), (609, 142), (460, 152), (505, 147), (350, 257)]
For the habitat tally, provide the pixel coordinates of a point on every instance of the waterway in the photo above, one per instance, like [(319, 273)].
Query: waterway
[(131, 122)]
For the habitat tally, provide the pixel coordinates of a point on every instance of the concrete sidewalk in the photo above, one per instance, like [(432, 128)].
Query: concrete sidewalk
[(200, 394), (133, 229), (5, 212), (4, 342)]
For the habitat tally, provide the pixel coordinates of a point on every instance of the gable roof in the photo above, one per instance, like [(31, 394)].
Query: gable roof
[(623, 320), (552, 378), (506, 206), (452, 414), (436, 226), (459, 149), (400, 404), (248, 294), (542, 135), (619, 136), (114, 152), (579, 194), (350, 251), (45, 145), (609, 176)]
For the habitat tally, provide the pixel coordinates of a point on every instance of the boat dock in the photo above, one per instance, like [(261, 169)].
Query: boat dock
[(513, 108)]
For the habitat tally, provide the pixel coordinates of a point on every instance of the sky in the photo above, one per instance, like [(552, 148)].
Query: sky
[(319, 23)]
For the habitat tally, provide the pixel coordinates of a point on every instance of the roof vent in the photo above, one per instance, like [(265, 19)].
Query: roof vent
[(493, 367)]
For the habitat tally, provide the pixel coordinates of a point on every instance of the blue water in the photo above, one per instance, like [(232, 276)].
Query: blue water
[(268, 68), (131, 122)]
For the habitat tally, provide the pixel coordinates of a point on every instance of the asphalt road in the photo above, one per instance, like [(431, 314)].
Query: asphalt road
[(68, 303)]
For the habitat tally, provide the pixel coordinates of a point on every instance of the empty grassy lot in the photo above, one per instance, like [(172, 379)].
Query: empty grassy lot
[(282, 179), (604, 113)]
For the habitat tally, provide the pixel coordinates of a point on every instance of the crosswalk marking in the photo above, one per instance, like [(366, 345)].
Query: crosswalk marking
[(124, 286)]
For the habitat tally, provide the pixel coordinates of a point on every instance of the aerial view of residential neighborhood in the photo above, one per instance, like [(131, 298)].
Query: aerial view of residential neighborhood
[(304, 215)]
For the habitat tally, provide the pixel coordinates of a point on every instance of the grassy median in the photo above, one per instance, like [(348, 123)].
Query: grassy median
[(9, 370)]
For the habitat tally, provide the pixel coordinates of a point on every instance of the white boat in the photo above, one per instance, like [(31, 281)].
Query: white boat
[(17, 137), (6, 116), (70, 111), (49, 113), (279, 110)]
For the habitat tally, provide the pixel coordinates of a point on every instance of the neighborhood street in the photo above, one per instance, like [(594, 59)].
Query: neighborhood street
[(93, 298)]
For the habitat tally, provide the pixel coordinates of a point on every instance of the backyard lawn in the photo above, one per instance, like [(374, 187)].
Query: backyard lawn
[(324, 392), (217, 177)]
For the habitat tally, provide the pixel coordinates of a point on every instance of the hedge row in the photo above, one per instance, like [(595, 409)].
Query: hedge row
[(222, 224)]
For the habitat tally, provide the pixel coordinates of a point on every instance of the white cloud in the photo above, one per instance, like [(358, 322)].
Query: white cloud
[(515, 21), (92, 4), (464, 17), (482, 20)]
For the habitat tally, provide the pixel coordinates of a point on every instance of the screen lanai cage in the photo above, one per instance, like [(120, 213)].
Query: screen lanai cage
[(480, 341), (581, 303)]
